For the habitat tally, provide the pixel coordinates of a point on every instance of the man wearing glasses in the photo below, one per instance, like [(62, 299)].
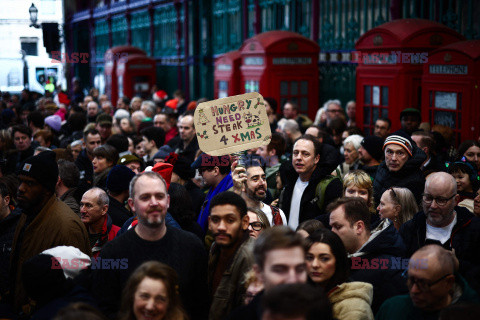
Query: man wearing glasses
[(444, 223), (433, 285)]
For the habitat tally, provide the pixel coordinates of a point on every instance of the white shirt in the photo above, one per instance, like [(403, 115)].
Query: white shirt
[(441, 234), (268, 212), (298, 190)]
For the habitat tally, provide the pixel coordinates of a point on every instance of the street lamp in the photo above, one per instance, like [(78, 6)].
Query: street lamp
[(33, 16)]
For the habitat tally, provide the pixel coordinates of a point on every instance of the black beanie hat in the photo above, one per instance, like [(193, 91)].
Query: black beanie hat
[(119, 178), (43, 168), (182, 168), (373, 145)]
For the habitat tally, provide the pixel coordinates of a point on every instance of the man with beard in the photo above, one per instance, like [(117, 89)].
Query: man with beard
[(46, 222), (443, 222), (151, 239), (251, 183), (230, 255)]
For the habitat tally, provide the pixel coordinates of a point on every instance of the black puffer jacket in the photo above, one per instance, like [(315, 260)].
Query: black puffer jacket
[(329, 160), (465, 240), (409, 176)]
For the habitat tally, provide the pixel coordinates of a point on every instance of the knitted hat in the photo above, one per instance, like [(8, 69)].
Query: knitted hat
[(163, 152), (165, 170), (182, 168), (126, 159), (119, 178), (54, 122), (373, 145), (43, 168), (399, 141), (77, 260)]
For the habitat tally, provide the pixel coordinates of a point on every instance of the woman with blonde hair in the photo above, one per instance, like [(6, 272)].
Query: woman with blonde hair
[(358, 184), (258, 222), (398, 205), (151, 293)]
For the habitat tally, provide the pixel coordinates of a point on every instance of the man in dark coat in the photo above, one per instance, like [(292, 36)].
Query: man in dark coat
[(401, 168), (152, 239), (444, 223), (311, 163), (375, 253)]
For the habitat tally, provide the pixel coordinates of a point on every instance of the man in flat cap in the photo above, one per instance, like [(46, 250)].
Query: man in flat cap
[(46, 222)]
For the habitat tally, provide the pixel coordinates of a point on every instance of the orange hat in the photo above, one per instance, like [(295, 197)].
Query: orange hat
[(172, 103), (165, 170)]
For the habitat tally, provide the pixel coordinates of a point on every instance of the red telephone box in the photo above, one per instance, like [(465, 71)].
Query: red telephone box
[(112, 57), (227, 74), (136, 76), (450, 89), (390, 66), (282, 65)]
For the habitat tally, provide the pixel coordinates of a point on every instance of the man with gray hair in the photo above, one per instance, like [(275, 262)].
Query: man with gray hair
[(92, 111), (433, 285), (444, 223), (152, 239), (93, 212), (148, 108)]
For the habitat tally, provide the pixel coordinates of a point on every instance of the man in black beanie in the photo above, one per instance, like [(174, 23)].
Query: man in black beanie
[(46, 222), (118, 181), (370, 154)]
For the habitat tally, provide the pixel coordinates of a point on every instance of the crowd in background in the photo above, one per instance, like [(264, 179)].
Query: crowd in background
[(324, 222)]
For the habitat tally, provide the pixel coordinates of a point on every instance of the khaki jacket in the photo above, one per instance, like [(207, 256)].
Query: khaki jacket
[(55, 225), (351, 301)]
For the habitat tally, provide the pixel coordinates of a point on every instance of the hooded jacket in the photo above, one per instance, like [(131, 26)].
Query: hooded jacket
[(351, 301), (409, 176), (465, 240), (387, 244), (329, 160)]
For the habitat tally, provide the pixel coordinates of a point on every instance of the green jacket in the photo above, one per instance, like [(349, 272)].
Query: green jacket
[(401, 307)]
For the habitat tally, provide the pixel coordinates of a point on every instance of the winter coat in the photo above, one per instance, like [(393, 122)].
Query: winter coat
[(465, 239), (384, 243), (230, 290), (109, 232), (351, 301), (55, 225), (409, 176), (329, 160), (7, 232), (69, 199), (402, 308)]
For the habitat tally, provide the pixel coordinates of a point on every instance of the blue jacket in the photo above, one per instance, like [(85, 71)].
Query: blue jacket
[(224, 185)]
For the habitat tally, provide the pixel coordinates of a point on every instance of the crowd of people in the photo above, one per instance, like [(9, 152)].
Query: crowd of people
[(109, 210)]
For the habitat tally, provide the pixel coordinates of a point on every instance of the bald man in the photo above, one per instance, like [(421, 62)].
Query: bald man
[(444, 223), (433, 285)]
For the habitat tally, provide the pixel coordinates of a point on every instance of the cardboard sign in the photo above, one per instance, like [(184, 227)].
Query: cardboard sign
[(232, 124)]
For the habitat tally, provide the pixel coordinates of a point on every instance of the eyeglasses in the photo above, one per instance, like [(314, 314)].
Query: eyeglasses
[(257, 225), (335, 111), (423, 285), (441, 201)]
